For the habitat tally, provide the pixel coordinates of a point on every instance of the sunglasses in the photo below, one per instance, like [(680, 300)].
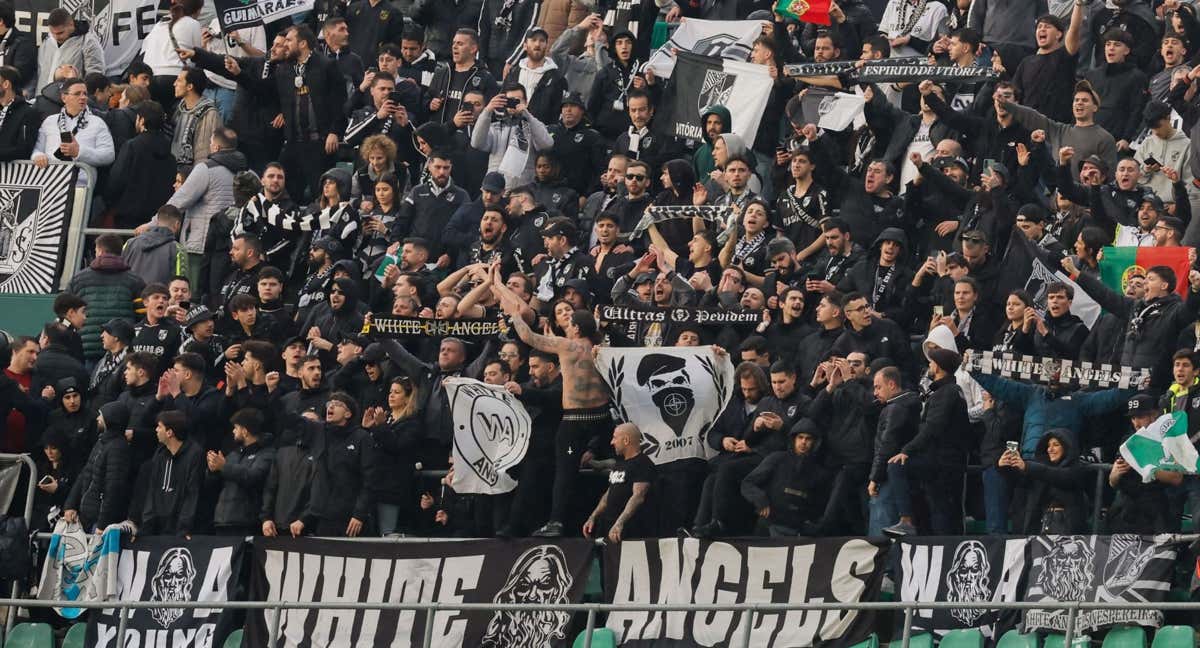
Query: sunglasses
[(635, 176)]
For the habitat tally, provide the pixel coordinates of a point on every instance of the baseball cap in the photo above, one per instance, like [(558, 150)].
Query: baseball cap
[(559, 226), (198, 313), (1141, 404), (1096, 161), (536, 31), (645, 277), (1031, 213), (947, 162), (1154, 200), (493, 182), (574, 99), (120, 329)]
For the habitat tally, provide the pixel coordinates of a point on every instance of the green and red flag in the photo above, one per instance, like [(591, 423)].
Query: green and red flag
[(1119, 263), (811, 11)]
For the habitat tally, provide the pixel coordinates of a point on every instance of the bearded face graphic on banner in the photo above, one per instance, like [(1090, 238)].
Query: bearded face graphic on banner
[(670, 388), (1067, 570), (967, 580), (172, 582), (540, 575)]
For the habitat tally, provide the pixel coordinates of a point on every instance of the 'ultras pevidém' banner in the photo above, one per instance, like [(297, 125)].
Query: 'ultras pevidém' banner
[(792, 570), (483, 571)]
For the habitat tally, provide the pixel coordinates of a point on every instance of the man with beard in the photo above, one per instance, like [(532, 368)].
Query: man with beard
[(574, 140), (539, 75), (542, 397), (540, 575), (967, 580), (246, 255), (428, 207), (1117, 202), (563, 261), (628, 209), (463, 230), (384, 116), (18, 133), (156, 333), (835, 261), (884, 279), (669, 289), (278, 247), (637, 142), (800, 209), (321, 255), (586, 423), (549, 188), (612, 183), (623, 511), (609, 256), (876, 336), (525, 221), (744, 434), (492, 245), (453, 79), (868, 205), (312, 92), (987, 137), (313, 392), (899, 416), (843, 404), (786, 333)]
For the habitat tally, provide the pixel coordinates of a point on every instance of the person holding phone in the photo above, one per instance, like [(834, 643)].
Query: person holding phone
[(75, 133)]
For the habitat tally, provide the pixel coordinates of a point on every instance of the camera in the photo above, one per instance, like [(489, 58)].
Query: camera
[(512, 102)]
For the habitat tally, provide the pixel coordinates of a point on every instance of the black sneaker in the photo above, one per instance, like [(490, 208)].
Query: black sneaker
[(551, 529)]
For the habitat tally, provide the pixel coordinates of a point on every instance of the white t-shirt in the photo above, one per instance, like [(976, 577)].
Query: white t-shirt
[(899, 20), (255, 36), (159, 51)]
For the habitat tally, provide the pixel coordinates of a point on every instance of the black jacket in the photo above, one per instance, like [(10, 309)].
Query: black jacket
[(849, 411), (345, 460), (18, 133), (53, 364), (795, 487), (1064, 338), (583, 154), (609, 88), (101, 493), (395, 444), (899, 421), (502, 32), (327, 89), (142, 176), (290, 481), (243, 480), (942, 437), (1124, 91), (143, 410), (1043, 484), (425, 214), (21, 53), (256, 101), (174, 484), (883, 338)]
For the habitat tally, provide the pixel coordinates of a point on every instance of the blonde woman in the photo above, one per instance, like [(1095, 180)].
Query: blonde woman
[(378, 153), (397, 431)]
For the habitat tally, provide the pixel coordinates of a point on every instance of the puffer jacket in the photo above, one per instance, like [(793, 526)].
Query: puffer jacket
[(847, 410), (155, 256), (289, 484), (344, 457), (941, 436), (207, 191), (1044, 484), (101, 493), (109, 288), (242, 481), (557, 15), (141, 177)]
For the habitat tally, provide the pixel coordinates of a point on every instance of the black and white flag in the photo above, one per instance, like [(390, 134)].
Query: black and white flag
[(1118, 568), (729, 39), (1030, 268), (720, 215), (169, 570), (35, 210), (476, 571), (700, 82), (834, 111), (689, 571), (673, 394), (986, 569), (491, 435)]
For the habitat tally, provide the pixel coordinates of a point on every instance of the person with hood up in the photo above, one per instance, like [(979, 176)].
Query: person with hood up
[(175, 475), (899, 422), (100, 496), (883, 277), (335, 320), (72, 421), (1168, 147), (142, 175), (109, 288), (1053, 487), (550, 189), (208, 191), (154, 254), (716, 121), (58, 470), (789, 488), (610, 88), (70, 42)]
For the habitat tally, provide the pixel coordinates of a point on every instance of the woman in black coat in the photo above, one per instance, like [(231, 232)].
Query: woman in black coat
[(1054, 487), (100, 496), (397, 431)]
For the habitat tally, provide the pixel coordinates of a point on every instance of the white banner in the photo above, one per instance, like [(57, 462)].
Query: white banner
[(273, 10), (122, 26), (841, 109), (673, 394), (730, 39), (491, 435)]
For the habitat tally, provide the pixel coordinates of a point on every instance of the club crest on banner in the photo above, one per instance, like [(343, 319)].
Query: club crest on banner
[(17, 229), (540, 575), (1126, 560), (491, 435), (716, 89), (714, 44), (172, 583)]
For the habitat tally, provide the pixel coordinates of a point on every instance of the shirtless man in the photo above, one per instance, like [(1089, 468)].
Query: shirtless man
[(586, 425)]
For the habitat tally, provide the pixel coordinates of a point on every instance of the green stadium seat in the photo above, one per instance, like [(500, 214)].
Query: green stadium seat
[(1125, 637), (1014, 639), (30, 635), (869, 642), (1057, 640), (923, 640), (601, 638), (75, 636), (234, 640), (1175, 636), (969, 638)]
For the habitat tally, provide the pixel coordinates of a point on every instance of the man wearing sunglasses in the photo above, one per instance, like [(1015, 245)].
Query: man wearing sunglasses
[(627, 209)]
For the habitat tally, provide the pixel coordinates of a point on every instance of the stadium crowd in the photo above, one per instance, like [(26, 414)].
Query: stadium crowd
[(485, 159)]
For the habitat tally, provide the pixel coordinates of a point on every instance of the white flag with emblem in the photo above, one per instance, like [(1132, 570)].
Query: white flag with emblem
[(491, 435), (728, 39)]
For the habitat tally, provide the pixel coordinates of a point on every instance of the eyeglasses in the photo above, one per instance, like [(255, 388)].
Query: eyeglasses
[(635, 176)]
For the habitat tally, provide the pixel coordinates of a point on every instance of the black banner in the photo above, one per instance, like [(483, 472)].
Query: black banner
[(678, 315), (967, 570), (167, 569), (391, 326), (793, 570), (1129, 568), (236, 14), (891, 70), (483, 571)]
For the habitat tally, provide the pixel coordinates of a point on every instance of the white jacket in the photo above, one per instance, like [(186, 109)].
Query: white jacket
[(95, 142)]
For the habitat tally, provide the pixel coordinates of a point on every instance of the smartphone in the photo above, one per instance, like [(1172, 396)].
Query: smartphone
[(395, 97), (989, 164), (1150, 161), (66, 137), (1013, 447), (939, 310), (46, 479), (185, 305), (512, 102)]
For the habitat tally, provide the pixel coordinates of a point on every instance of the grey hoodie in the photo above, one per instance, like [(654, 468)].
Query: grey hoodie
[(155, 256), (82, 49)]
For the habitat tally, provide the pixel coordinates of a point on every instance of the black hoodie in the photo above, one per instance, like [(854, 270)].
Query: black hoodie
[(1063, 484), (795, 487), (174, 483)]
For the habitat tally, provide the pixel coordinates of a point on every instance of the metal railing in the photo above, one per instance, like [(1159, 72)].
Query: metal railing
[(1072, 608), (8, 459)]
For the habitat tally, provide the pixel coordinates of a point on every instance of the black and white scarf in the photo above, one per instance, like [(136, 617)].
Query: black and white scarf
[(105, 368), (882, 283), (1137, 323), (80, 123), (835, 266), (747, 246), (795, 211)]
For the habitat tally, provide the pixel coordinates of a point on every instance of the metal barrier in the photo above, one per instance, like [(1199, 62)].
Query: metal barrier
[(592, 609), (11, 459)]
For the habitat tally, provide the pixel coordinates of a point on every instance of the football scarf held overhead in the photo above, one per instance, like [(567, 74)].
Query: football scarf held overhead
[(719, 215), (491, 435), (700, 82), (678, 315), (673, 394), (891, 71), (1053, 371), (396, 326), (1117, 264), (729, 39)]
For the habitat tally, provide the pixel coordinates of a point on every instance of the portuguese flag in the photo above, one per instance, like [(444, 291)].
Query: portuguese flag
[(1118, 261), (811, 11)]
